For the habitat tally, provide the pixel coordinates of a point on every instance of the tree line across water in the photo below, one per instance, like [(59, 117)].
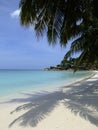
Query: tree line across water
[(71, 65)]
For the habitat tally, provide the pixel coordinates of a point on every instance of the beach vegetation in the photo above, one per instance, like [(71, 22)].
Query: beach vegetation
[(70, 64)]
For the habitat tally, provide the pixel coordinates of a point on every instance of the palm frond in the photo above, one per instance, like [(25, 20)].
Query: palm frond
[(58, 19)]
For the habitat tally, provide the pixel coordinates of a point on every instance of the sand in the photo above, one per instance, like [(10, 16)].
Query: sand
[(72, 108)]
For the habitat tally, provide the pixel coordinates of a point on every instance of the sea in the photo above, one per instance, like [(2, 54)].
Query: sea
[(18, 82)]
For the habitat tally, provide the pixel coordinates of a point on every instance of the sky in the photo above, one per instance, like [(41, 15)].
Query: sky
[(19, 46)]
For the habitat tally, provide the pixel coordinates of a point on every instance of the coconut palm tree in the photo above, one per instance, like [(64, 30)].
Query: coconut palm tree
[(63, 20)]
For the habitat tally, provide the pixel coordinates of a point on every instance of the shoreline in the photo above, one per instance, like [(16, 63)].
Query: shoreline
[(47, 89), (83, 79), (69, 108)]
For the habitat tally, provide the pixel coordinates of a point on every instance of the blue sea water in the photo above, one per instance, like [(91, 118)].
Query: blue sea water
[(18, 81)]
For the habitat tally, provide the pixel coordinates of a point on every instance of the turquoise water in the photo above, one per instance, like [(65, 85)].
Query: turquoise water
[(15, 82)]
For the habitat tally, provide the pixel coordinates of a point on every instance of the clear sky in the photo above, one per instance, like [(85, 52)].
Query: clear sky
[(19, 47)]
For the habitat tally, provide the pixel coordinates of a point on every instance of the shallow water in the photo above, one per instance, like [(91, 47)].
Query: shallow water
[(14, 82)]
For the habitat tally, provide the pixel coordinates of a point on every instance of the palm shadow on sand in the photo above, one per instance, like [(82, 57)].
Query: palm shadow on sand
[(80, 98)]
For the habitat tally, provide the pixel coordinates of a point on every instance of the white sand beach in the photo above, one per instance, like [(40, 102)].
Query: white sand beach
[(74, 107)]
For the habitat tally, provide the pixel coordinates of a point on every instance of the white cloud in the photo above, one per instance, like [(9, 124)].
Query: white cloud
[(15, 14)]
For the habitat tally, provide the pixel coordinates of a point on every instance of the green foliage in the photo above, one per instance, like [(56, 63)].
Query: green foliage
[(96, 64), (71, 64)]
